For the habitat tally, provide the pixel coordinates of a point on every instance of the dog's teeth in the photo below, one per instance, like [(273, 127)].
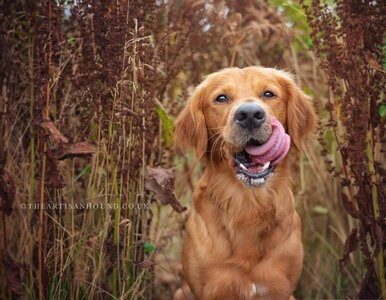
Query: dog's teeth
[(243, 167), (266, 165), (240, 177), (257, 181)]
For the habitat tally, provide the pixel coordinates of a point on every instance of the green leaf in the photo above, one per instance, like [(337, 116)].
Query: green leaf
[(71, 40), (148, 247), (85, 172), (322, 210), (167, 124), (308, 42), (382, 111), (52, 288)]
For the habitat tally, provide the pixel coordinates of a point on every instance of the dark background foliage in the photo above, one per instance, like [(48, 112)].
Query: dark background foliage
[(89, 92)]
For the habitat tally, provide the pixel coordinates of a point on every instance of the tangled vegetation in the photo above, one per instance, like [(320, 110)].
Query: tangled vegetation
[(89, 91), (349, 43)]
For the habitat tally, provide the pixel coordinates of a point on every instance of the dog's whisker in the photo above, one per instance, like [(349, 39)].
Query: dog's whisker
[(222, 149), (213, 148), (216, 128), (215, 135)]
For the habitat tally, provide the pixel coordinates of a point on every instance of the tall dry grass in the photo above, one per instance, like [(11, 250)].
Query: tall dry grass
[(88, 95)]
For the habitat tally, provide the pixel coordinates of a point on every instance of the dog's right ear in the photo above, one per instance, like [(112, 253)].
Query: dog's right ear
[(190, 126)]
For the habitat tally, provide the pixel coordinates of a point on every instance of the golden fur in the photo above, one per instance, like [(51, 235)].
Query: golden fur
[(242, 242)]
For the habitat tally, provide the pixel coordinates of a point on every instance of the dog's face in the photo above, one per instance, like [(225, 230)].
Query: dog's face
[(234, 110)]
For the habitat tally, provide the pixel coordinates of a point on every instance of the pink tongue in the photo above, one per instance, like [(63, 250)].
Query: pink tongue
[(273, 150)]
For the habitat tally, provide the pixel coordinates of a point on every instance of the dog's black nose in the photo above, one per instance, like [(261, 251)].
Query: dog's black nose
[(249, 116)]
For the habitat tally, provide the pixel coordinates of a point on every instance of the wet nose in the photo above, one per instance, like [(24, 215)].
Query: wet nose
[(249, 116)]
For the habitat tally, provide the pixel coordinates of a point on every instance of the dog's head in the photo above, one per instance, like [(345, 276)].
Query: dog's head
[(241, 117)]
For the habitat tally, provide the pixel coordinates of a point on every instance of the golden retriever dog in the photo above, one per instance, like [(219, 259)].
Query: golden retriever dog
[(243, 238)]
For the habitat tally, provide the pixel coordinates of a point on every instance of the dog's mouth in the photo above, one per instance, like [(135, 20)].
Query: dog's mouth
[(251, 172), (256, 163)]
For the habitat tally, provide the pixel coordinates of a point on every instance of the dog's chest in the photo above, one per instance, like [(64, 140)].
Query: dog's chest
[(247, 233)]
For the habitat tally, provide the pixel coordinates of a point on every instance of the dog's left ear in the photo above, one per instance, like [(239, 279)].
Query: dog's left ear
[(301, 117)]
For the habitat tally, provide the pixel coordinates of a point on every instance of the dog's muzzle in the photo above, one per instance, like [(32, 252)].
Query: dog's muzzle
[(256, 162)]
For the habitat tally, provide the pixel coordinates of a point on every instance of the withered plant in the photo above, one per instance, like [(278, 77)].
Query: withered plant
[(349, 40), (89, 90)]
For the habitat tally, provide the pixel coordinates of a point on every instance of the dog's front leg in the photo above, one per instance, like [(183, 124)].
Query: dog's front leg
[(227, 283)]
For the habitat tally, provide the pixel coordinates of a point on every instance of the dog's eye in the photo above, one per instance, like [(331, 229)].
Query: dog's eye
[(222, 98), (268, 94)]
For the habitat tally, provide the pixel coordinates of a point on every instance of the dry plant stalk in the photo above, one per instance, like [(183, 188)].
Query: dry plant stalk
[(348, 39)]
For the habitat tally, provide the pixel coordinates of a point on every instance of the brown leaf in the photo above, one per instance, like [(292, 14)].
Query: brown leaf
[(373, 63), (63, 150), (50, 127), (160, 181), (75, 150), (349, 206), (66, 149), (350, 245), (7, 191)]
